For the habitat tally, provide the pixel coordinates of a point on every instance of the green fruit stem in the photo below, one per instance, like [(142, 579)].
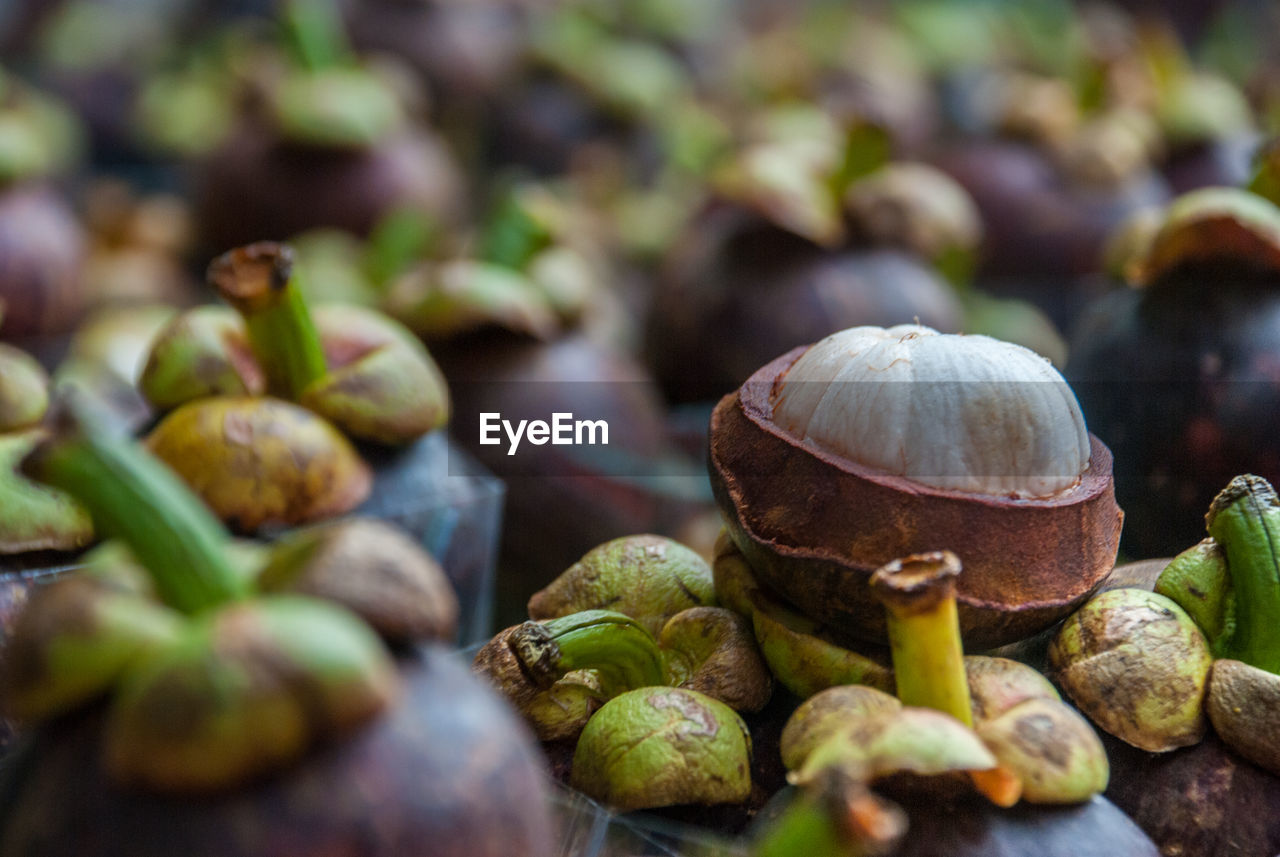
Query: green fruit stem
[(259, 280), (620, 650), (1245, 519), (867, 148), (315, 33), (513, 236), (919, 593), (135, 498), (398, 240)]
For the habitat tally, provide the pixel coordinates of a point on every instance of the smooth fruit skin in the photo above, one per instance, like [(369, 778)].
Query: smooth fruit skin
[(738, 291), (258, 186), (42, 248), (1203, 800), (450, 772), (1176, 381)]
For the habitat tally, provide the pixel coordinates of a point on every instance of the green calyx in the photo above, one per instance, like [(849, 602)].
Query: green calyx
[(1201, 106), (244, 692), (1229, 584), (202, 352), (631, 77), (650, 578), (351, 365), (76, 639), (804, 661), (227, 448), (209, 687), (713, 650), (922, 209), (526, 660), (134, 497), (1215, 225), (1245, 519), (328, 100), (710, 650), (38, 136), (37, 517), (1198, 580), (1136, 664), (451, 299), (663, 746), (24, 389), (374, 570), (618, 648), (338, 108), (918, 747), (389, 391), (515, 233)]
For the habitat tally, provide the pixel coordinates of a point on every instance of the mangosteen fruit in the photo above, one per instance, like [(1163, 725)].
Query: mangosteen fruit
[(330, 143), (1209, 132), (875, 443), (1025, 744), (42, 246), (1190, 693), (1049, 207), (738, 290), (348, 368), (290, 705), (1176, 354)]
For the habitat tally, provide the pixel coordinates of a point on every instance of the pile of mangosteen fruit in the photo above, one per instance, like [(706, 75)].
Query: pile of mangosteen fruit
[(930, 357)]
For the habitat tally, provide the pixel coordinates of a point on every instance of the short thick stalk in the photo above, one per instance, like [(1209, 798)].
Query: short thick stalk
[(315, 29), (259, 281), (1245, 519), (135, 498), (617, 647), (919, 593)]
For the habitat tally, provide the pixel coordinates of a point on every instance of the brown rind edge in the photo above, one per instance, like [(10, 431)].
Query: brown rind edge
[(815, 526)]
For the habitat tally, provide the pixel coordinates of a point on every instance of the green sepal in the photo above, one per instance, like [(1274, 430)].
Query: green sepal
[(1198, 580)]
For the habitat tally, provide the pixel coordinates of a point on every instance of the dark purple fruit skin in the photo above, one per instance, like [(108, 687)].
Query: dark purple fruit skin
[(544, 124), (19, 575), (451, 771), (466, 51), (257, 187), (1042, 236), (1226, 162), (738, 291), (1180, 380), (977, 828), (42, 248), (1201, 801)]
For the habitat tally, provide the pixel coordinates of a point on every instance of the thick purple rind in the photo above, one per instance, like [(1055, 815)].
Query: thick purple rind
[(450, 772), (815, 526)]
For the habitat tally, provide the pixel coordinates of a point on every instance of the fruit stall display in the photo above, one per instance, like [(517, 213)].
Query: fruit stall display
[(576, 428)]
